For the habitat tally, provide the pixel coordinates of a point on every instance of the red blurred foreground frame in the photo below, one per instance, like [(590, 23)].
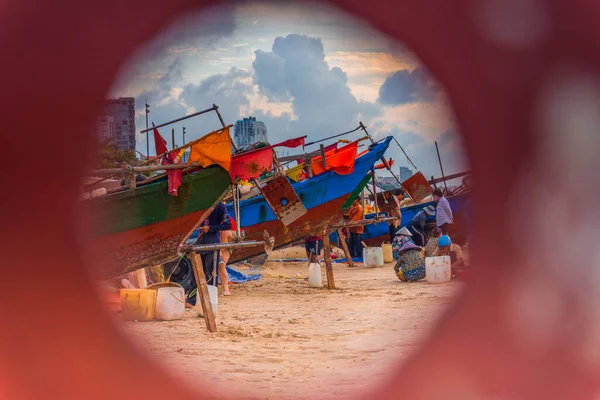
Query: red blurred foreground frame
[(59, 59)]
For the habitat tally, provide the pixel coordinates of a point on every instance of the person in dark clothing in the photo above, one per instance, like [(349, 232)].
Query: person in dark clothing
[(416, 226), (313, 246), (355, 214), (210, 232)]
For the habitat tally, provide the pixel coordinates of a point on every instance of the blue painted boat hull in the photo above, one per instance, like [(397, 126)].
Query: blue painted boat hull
[(376, 234), (324, 196)]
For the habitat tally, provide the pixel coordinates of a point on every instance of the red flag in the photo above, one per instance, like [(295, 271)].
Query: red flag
[(251, 165), (174, 175), (292, 143), (159, 143)]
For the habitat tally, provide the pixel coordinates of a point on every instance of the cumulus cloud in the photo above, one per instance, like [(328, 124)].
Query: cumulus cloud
[(295, 92), (408, 86), (296, 71)]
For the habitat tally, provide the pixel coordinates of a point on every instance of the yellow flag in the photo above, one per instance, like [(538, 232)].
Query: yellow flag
[(214, 148), (295, 172)]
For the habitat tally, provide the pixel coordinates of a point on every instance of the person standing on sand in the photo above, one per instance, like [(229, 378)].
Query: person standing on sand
[(210, 233), (313, 246), (443, 215), (416, 226), (355, 214), (225, 255)]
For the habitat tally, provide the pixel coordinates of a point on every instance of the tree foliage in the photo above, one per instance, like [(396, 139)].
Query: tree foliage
[(109, 155)]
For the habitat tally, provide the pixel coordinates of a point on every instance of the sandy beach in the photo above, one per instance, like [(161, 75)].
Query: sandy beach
[(278, 338)]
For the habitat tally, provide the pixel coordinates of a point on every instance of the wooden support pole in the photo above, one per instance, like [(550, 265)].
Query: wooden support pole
[(345, 247), (441, 166), (328, 264), (209, 316)]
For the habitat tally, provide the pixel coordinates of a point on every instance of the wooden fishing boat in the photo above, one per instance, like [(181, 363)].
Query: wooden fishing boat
[(324, 196), (143, 227), (376, 234)]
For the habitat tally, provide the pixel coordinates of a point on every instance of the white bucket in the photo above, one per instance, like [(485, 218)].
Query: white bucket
[(213, 293), (373, 257), (314, 275), (170, 303), (438, 269)]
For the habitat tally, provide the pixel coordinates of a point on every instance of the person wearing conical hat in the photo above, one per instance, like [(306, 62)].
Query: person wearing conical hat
[(410, 266), (402, 237), (416, 226)]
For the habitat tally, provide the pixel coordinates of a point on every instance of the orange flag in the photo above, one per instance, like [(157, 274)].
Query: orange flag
[(214, 148), (340, 161)]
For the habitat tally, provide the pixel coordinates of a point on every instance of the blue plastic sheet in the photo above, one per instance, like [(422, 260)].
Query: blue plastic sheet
[(343, 260), (238, 277)]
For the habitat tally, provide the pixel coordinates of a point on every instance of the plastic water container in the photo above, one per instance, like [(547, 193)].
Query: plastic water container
[(373, 257), (388, 255), (314, 275), (170, 303), (438, 269), (138, 304), (213, 293)]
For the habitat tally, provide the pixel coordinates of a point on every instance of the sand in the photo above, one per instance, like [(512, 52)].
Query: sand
[(278, 338)]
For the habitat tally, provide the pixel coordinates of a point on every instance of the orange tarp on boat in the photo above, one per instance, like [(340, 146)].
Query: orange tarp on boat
[(214, 148), (340, 161)]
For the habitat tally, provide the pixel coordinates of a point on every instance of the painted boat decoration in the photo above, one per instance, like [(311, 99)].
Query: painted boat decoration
[(376, 234), (140, 228), (324, 196)]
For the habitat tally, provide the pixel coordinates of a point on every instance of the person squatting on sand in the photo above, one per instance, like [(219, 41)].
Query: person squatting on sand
[(432, 244), (447, 248), (410, 266), (402, 237)]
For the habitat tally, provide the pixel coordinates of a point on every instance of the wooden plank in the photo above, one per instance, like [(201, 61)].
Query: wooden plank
[(328, 264), (345, 247), (209, 316)]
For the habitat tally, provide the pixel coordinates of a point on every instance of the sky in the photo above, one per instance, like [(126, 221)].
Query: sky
[(303, 69)]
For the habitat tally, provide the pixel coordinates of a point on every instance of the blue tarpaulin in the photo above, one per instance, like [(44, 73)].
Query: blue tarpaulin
[(343, 260), (238, 277)]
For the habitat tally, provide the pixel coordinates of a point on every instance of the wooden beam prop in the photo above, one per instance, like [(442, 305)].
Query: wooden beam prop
[(328, 264), (345, 247), (363, 222), (209, 316)]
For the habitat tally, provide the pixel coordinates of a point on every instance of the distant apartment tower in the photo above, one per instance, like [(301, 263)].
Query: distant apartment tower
[(122, 112), (105, 127), (405, 173), (249, 131)]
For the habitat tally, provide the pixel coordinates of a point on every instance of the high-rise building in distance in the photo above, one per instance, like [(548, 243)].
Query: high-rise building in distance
[(249, 131), (105, 127), (405, 173), (122, 112)]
